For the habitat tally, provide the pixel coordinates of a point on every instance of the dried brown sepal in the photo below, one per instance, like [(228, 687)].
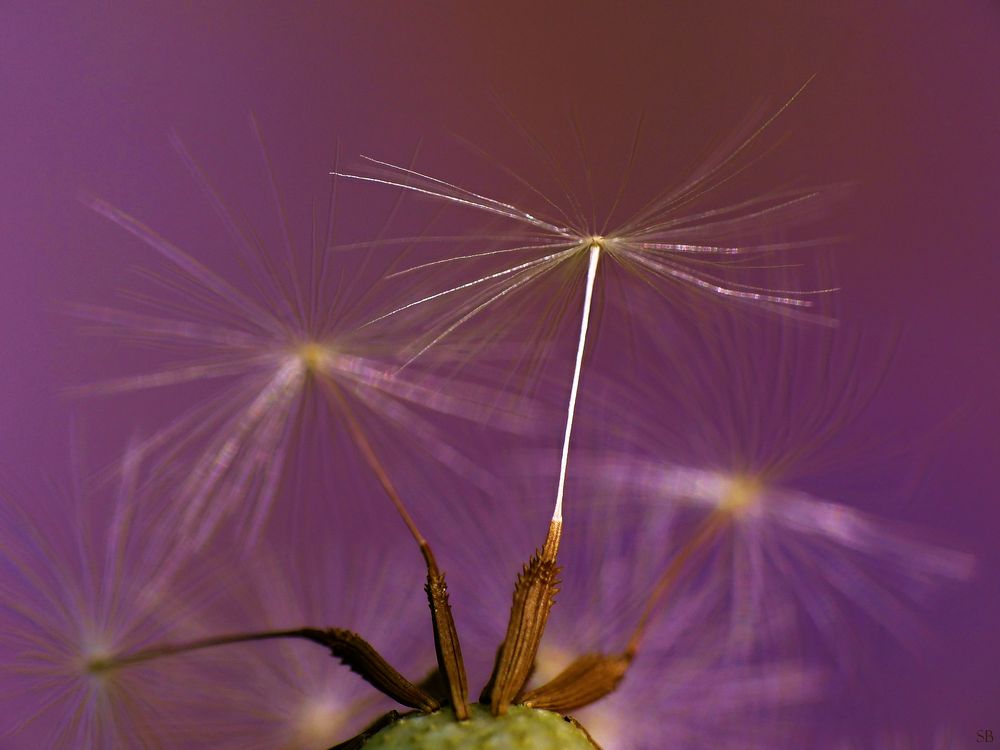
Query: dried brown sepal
[(446, 644), (484, 696), (534, 595), (362, 659), (586, 680), (356, 743)]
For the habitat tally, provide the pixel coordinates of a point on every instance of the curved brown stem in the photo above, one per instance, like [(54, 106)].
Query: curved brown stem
[(703, 534), (446, 643), (352, 650)]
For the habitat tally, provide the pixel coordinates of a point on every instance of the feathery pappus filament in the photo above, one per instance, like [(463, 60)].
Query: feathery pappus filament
[(274, 343)]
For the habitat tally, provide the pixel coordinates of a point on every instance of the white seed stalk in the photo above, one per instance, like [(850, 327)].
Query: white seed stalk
[(595, 254)]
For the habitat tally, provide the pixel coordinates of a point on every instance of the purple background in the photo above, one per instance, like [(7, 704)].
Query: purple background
[(905, 104)]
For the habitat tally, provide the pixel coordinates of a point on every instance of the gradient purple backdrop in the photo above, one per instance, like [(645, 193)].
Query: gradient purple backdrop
[(904, 105)]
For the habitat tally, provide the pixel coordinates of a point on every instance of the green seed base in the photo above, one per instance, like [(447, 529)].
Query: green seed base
[(520, 729)]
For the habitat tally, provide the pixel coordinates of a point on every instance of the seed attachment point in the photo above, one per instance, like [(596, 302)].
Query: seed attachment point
[(313, 356)]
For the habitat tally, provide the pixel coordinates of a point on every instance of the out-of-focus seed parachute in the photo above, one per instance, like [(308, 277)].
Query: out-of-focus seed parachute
[(274, 350)]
